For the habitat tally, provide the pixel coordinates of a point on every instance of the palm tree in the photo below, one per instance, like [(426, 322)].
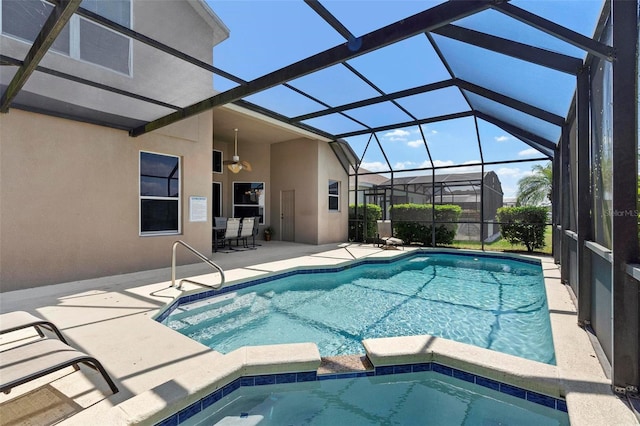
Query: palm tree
[(533, 189)]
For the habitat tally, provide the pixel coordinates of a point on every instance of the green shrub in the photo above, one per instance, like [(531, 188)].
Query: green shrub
[(413, 222), (372, 213), (523, 225)]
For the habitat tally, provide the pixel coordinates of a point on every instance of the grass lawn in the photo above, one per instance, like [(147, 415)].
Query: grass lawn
[(504, 245)]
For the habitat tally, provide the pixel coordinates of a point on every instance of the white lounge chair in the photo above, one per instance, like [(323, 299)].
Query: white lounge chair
[(35, 359)]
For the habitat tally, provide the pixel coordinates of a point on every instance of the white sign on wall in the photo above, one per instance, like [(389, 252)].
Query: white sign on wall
[(197, 209)]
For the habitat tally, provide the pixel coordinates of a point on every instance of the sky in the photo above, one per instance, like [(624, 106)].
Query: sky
[(266, 35)]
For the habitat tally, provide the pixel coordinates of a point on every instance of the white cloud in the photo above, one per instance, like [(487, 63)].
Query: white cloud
[(434, 132), (466, 169), (402, 165), (513, 172), (528, 152), (416, 143), (502, 138), (397, 135), (374, 166), (440, 163), (509, 191)]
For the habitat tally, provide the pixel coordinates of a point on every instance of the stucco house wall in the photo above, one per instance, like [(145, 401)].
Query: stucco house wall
[(69, 190), (294, 166), (305, 167), (70, 198), (332, 225)]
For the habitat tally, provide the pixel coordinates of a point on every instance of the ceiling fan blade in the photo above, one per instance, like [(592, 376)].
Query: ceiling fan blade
[(246, 165)]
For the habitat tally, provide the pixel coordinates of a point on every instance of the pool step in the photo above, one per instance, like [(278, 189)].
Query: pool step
[(201, 318)]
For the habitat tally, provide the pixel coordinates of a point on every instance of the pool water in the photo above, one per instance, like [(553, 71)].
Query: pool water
[(494, 303), (426, 398)]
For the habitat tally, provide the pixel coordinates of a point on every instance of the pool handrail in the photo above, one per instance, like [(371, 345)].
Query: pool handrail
[(201, 257)]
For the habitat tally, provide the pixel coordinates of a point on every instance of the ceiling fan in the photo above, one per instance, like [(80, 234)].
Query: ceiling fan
[(235, 165)]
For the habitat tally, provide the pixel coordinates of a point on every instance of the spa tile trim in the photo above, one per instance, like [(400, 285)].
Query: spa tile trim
[(311, 376)]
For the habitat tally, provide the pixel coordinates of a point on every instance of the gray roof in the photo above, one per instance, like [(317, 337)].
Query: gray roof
[(458, 178)]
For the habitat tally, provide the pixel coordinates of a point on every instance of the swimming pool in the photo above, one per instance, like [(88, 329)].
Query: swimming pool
[(494, 302), (413, 398)]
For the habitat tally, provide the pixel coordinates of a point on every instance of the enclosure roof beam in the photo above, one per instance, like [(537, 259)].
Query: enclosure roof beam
[(377, 99), (406, 124), (345, 33), (54, 24), (512, 103), (276, 116), (536, 55), (427, 20), (531, 139), (330, 19), (572, 37)]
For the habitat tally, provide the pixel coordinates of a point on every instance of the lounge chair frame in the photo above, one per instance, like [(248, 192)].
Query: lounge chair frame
[(19, 320), (35, 359), (24, 363)]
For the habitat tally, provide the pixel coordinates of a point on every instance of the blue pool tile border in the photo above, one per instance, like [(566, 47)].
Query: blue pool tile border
[(322, 270), (312, 376)]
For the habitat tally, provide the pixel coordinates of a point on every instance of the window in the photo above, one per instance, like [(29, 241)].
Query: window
[(217, 161), (80, 39), (217, 199), (334, 195), (248, 200), (118, 11), (24, 20), (159, 194), (101, 46)]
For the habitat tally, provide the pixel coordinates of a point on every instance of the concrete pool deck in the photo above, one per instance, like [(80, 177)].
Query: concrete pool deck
[(157, 369)]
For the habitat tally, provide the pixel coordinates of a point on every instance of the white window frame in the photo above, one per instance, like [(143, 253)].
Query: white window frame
[(144, 197), (333, 195)]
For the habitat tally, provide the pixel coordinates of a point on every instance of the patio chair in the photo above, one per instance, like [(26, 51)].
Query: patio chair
[(232, 232), (30, 361), (246, 230), (385, 235), (256, 230), (19, 320)]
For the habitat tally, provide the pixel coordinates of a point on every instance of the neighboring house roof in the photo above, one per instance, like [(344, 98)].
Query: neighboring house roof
[(220, 30), (371, 177), (441, 178)]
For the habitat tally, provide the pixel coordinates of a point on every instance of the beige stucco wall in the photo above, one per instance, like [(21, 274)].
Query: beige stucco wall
[(70, 205), (306, 166), (294, 166), (332, 226)]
